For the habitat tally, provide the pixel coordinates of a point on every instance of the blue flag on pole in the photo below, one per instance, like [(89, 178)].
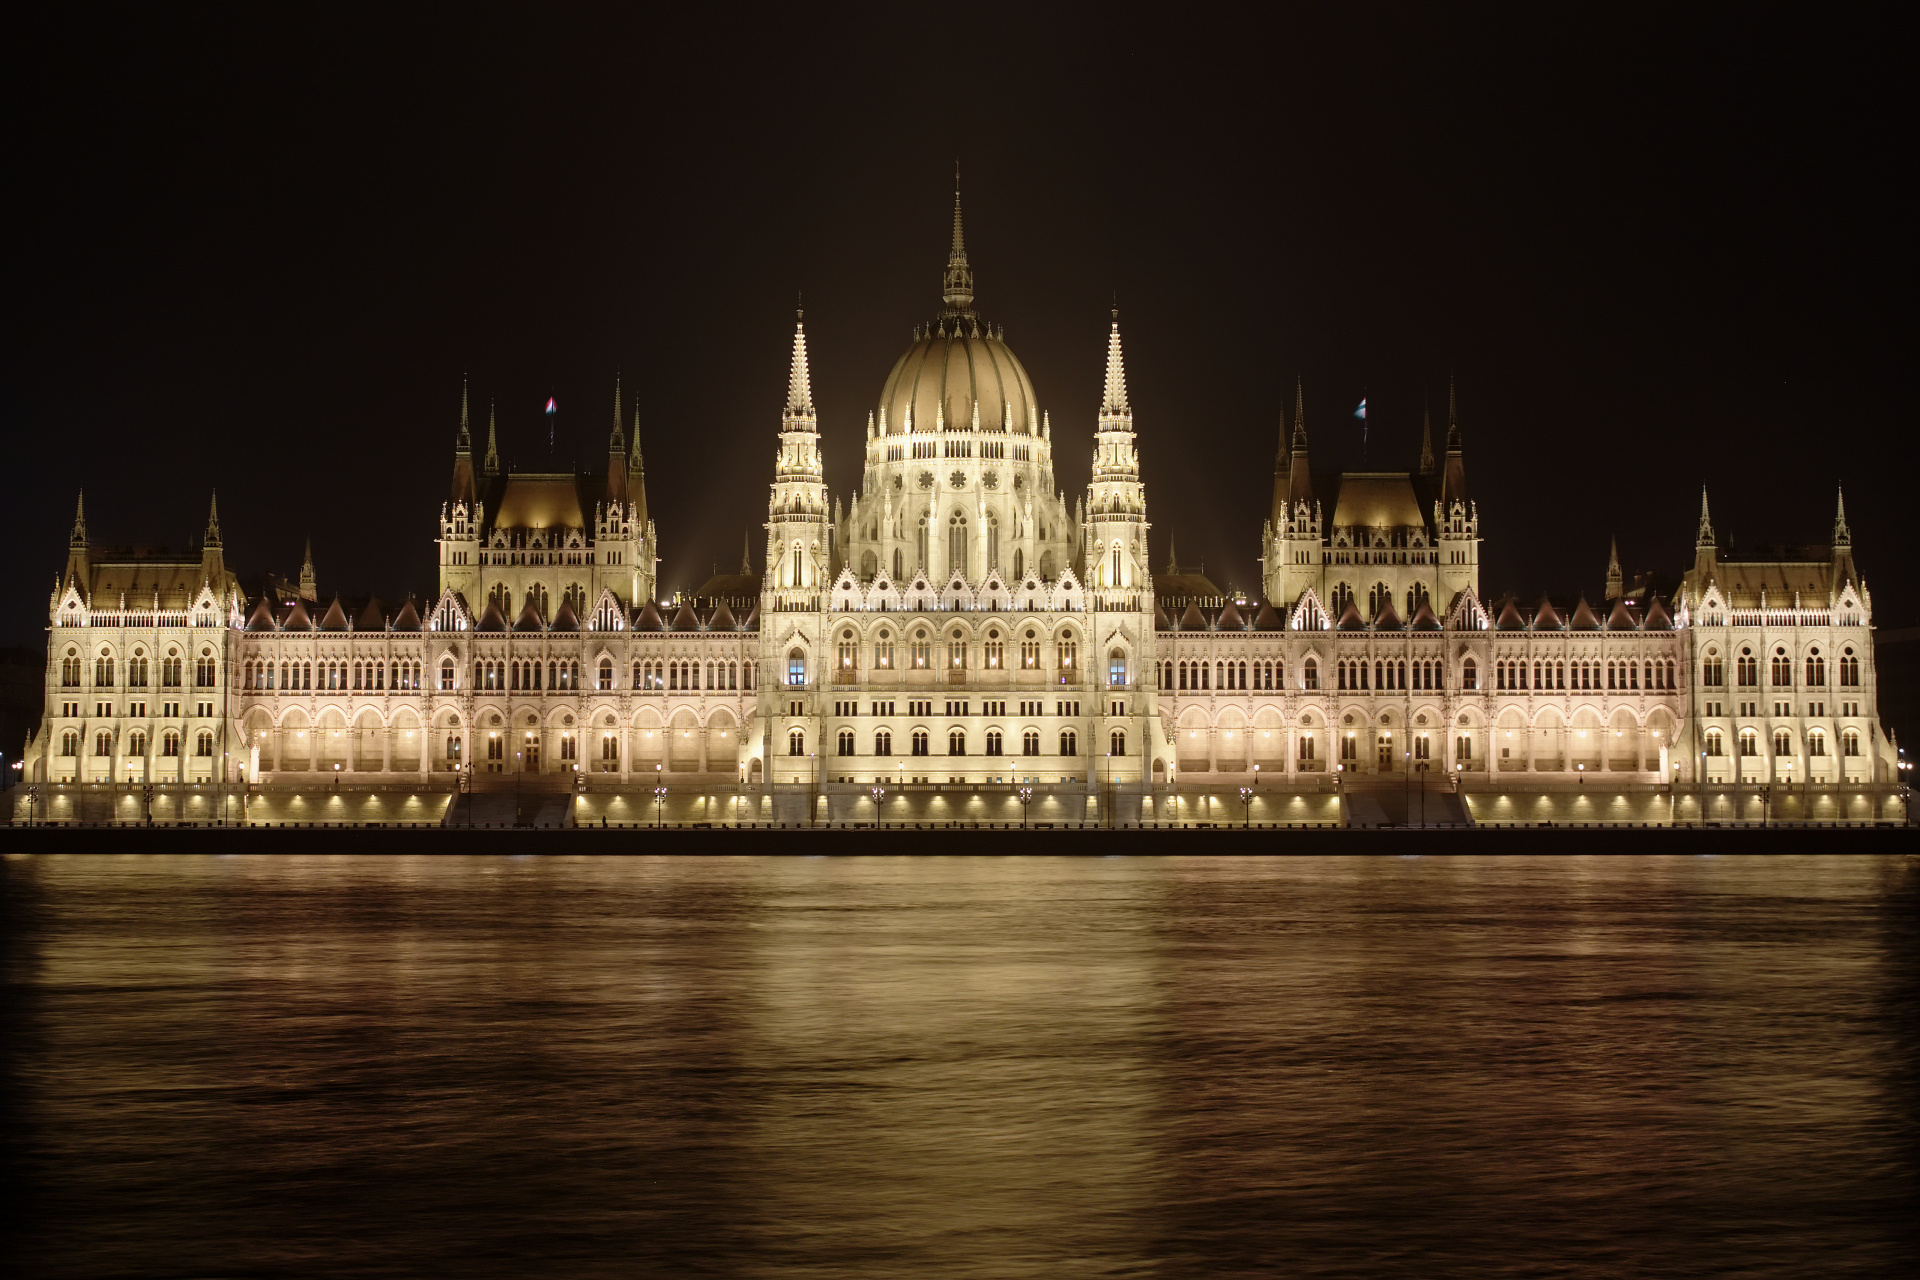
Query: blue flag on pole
[(1361, 412)]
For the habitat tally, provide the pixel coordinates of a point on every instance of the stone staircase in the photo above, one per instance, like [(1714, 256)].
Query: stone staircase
[(1384, 803)]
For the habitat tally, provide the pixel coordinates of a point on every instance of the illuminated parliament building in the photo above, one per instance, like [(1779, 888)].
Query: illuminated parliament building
[(955, 638)]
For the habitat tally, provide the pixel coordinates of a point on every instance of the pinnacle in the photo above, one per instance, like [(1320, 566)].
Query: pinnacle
[(799, 384), (1299, 415), (1115, 399)]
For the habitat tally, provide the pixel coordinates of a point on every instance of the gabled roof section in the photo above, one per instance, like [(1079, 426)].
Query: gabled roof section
[(491, 619), (1424, 619), (1192, 619), (408, 619), (684, 619), (1161, 622), (529, 619), (1583, 617), (1268, 619), (261, 619), (1510, 619), (1622, 619), (564, 618), (297, 619), (721, 619), (1658, 619), (1547, 618), (1229, 619), (1386, 619), (649, 619), (753, 620), (371, 617), (335, 618), (1350, 619)]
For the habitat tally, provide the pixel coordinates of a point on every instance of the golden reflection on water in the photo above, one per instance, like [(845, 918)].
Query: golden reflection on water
[(962, 1066)]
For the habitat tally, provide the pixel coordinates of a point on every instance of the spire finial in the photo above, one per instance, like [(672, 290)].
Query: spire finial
[(465, 443), (212, 537), (1842, 536), (799, 384), (634, 461), (79, 537), (308, 591), (1615, 580), (617, 443), (957, 283), (1299, 414), (1427, 465), (492, 463), (1114, 401), (1453, 420), (1705, 536), (746, 553)]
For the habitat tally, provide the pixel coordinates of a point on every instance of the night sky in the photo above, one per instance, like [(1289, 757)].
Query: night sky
[(261, 258)]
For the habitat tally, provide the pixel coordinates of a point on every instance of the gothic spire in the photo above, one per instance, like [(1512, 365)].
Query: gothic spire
[(464, 443), (1299, 415), (1842, 536), (1299, 476), (212, 536), (616, 443), (1453, 482), (492, 464), (1615, 580), (957, 284), (1115, 399), (1453, 420), (308, 589), (799, 385), (746, 553), (634, 461), (79, 535), (1427, 466), (1704, 538)]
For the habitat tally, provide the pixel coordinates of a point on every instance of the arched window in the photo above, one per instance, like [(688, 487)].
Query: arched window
[(203, 745), (847, 648), (70, 743), (1116, 669), (103, 671), (957, 544), (899, 564), (70, 673), (993, 541), (957, 651), (922, 650), (1030, 652), (606, 673), (1469, 675), (1019, 562), (137, 672), (1782, 742), (609, 750), (993, 742), (956, 742), (446, 675), (796, 668), (1029, 743), (794, 560), (919, 742), (103, 743), (1183, 675), (845, 742), (1749, 743), (1850, 742), (994, 652), (137, 743), (1310, 674), (1816, 742), (1117, 742), (882, 743), (1747, 670), (797, 743), (1306, 746), (1069, 743), (1714, 745), (1068, 651), (1816, 675), (1113, 566), (170, 744), (920, 546), (1782, 672)]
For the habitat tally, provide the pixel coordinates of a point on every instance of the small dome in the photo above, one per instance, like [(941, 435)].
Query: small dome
[(946, 372)]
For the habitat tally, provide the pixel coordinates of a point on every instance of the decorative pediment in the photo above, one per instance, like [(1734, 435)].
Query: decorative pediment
[(1309, 614), (608, 613), (450, 613)]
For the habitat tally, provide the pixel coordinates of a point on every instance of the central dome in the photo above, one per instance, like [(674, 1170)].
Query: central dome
[(943, 375)]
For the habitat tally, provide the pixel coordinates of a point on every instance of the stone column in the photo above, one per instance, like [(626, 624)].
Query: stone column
[(386, 750)]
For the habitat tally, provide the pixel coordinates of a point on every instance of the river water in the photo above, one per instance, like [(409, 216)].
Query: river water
[(967, 1067)]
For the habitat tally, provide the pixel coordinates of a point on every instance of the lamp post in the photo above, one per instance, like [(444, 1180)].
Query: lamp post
[(33, 801), (464, 780), (1026, 798), (879, 793), (1246, 808), (659, 796), (146, 805)]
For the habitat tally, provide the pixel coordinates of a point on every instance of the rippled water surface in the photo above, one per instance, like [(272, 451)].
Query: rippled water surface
[(992, 1067)]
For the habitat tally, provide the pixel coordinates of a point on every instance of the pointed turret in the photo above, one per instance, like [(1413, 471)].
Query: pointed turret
[(1453, 485), (1842, 544), (1427, 464), (1114, 401), (492, 464), (746, 553), (213, 567), (1299, 480), (799, 532), (1703, 536), (637, 478), (1706, 548), (463, 489), (616, 490), (1616, 584), (309, 589), (799, 383), (78, 564), (1119, 500), (957, 284), (1282, 478)]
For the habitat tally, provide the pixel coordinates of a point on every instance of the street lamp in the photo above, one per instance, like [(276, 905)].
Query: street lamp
[(659, 796), (1026, 798), (879, 793), (464, 779), (1246, 807)]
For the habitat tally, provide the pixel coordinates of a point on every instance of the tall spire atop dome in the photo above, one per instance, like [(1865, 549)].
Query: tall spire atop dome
[(957, 284), (1115, 399), (799, 384)]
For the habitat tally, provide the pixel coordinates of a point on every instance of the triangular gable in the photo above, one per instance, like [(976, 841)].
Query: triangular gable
[(1388, 619), (722, 619), (493, 619), (608, 613), (1161, 622), (1510, 619), (261, 619), (1547, 618), (529, 619), (1308, 613), (297, 618), (335, 618), (408, 619), (1658, 618), (1268, 619), (1350, 619), (370, 618), (1622, 619), (1192, 620), (684, 619), (1230, 619), (1583, 617), (1424, 619), (564, 618), (649, 619), (753, 619)]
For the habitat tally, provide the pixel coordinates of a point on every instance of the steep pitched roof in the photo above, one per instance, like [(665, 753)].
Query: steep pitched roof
[(529, 619), (1622, 619), (1424, 619), (649, 619), (1547, 618), (1161, 622), (1350, 619), (1192, 620), (753, 620), (1583, 617), (297, 618), (335, 618), (1658, 619), (492, 619), (1510, 619), (722, 619), (1268, 619), (564, 618), (408, 619), (1387, 620), (1229, 619), (684, 619)]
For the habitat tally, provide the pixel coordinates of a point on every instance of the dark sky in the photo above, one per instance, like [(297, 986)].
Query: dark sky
[(262, 256)]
